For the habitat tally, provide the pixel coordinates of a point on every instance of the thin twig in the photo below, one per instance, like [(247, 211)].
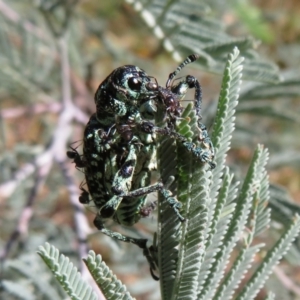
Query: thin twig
[(45, 158), (39, 108), (55, 151), (82, 227), (43, 162), (21, 229), (35, 109)]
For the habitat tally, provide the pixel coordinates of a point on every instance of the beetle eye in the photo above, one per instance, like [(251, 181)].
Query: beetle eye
[(134, 84)]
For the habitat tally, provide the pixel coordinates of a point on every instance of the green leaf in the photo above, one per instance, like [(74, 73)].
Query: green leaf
[(260, 276), (236, 273), (66, 274), (267, 110), (235, 229), (45, 287), (185, 27), (224, 121), (111, 287), (17, 289), (260, 215), (270, 296), (287, 88)]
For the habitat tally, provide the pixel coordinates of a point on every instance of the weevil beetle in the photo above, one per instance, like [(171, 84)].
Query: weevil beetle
[(119, 146)]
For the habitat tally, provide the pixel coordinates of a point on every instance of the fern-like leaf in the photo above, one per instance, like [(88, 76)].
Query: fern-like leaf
[(170, 230), (219, 226), (236, 273), (267, 110), (111, 287), (261, 215), (191, 248), (221, 137), (234, 231), (186, 27), (270, 296), (65, 272), (288, 88), (258, 279), (17, 289), (224, 121), (46, 288)]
